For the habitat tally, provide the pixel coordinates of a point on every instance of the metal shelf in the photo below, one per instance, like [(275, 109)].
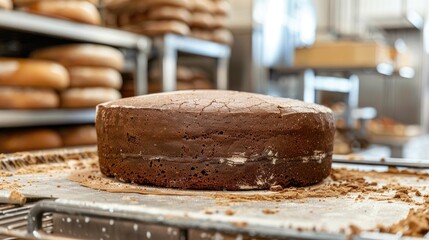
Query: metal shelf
[(194, 46), (26, 22), (382, 68), (168, 47), (25, 118), (407, 20)]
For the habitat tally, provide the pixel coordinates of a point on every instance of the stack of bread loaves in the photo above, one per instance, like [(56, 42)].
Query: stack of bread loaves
[(93, 71), (29, 139), (5, 4), (30, 84), (202, 21), (187, 79), (17, 140), (220, 33), (209, 20), (78, 135), (74, 10), (152, 17)]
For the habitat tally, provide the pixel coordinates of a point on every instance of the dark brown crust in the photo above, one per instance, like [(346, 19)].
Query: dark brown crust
[(247, 147)]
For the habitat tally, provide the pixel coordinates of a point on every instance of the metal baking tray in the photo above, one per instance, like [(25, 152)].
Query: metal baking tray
[(84, 213)]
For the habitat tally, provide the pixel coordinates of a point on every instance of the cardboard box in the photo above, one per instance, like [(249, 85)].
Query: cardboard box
[(344, 54)]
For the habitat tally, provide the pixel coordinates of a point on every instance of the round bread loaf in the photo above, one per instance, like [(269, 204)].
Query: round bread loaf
[(141, 5), (200, 83), (32, 73), (202, 34), (201, 20), (156, 87), (87, 97), (5, 4), (112, 5), (222, 36), (202, 6), (122, 6), (20, 3), (211, 139), (94, 77), (79, 11), (160, 13), (220, 21), (183, 73), (88, 55), (157, 28), (26, 140), (221, 7), (28, 98), (79, 136)]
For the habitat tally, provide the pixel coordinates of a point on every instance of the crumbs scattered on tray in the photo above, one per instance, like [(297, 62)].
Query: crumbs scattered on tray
[(361, 185)]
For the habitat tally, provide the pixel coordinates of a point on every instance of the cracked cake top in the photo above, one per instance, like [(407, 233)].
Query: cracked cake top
[(216, 101)]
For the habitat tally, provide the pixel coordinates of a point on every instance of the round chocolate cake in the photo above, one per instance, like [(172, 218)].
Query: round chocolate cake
[(213, 139)]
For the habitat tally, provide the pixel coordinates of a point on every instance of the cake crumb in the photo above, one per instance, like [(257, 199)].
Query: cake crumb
[(16, 197), (354, 230), (240, 224), (208, 211), (229, 212), (276, 188), (5, 174), (129, 198), (270, 211), (353, 157)]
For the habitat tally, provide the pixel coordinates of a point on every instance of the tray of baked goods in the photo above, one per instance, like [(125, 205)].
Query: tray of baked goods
[(356, 201)]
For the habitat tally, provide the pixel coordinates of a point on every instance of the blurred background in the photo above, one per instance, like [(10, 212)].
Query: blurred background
[(365, 59)]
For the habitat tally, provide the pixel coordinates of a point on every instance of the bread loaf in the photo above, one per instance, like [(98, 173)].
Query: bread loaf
[(20, 3), (204, 6), (32, 73), (88, 55), (27, 98), (5, 4), (221, 7), (222, 36), (159, 13), (132, 6), (202, 20), (79, 136), (87, 97), (26, 140), (78, 10), (156, 28), (94, 77)]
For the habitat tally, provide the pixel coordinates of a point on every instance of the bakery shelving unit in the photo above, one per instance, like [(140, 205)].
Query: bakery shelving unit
[(345, 81), (165, 48), (348, 84), (168, 46), (20, 22)]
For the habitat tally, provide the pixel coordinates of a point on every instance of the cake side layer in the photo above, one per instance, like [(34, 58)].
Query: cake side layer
[(216, 174), (153, 133)]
